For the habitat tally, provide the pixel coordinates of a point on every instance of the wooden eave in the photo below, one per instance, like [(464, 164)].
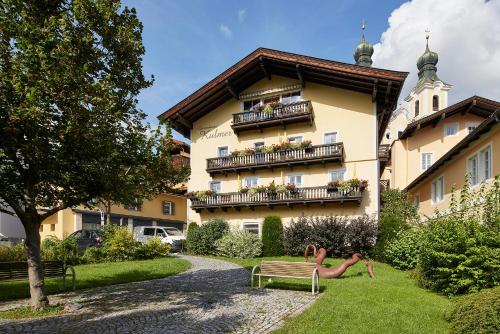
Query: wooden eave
[(383, 85), (475, 105), (456, 150)]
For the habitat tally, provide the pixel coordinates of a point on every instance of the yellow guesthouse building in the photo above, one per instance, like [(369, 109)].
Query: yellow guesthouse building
[(270, 133)]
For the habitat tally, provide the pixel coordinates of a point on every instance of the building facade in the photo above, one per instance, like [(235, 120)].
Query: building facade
[(162, 210), (432, 126), (271, 132), (477, 155)]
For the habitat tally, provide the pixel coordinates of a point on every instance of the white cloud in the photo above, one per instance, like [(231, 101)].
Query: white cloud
[(224, 30), (465, 34), (241, 15)]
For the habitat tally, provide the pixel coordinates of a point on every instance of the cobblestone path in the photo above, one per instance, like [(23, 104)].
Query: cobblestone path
[(212, 297)]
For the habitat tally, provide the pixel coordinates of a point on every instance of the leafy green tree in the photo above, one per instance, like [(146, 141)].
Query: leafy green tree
[(70, 129)]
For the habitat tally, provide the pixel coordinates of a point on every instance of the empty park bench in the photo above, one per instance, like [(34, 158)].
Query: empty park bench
[(306, 270), (12, 271)]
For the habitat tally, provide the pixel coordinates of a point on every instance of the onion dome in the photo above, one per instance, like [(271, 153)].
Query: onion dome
[(426, 65), (363, 53)]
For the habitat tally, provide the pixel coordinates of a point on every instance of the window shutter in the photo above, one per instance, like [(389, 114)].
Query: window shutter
[(172, 208), (163, 207)]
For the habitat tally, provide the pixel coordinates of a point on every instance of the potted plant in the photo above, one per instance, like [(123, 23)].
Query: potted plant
[(281, 189), (244, 190), (271, 190), (275, 105), (292, 188), (260, 189), (268, 110), (354, 183), (252, 192), (307, 146), (333, 186), (363, 185)]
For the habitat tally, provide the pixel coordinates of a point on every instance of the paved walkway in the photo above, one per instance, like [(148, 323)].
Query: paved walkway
[(212, 297)]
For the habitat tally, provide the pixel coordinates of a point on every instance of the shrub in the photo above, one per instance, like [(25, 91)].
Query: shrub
[(190, 235), (54, 249), (402, 251), (340, 236), (476, 313), (397, 213), (120, 245), (272, 236), (14, 253), (460, 247), (204, 238), (240, 244), (297, 236), (153, 248), (94, 255)]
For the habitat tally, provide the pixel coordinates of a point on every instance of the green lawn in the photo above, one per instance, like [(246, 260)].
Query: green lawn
[(391, 303), (94, 275)]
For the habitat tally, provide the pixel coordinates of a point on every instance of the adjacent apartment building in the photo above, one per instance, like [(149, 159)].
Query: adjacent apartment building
[(163, 210), (289, 135), (430, 135)]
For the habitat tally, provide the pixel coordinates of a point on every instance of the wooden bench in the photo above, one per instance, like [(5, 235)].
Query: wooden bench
[(12, 271), (306, 270)]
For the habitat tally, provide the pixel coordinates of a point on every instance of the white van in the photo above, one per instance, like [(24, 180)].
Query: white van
[(168, 235)]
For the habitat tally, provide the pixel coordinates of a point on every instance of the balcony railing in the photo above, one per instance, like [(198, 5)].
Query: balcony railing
[(286, 114), (302, 196), (316, 154)]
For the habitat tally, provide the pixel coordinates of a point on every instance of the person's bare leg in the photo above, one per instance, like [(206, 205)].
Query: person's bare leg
[(338, 270)]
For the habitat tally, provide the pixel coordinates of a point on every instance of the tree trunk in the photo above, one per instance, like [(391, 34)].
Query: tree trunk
[(35, 271)]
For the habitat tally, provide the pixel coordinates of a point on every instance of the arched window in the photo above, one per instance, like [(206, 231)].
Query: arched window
[(417, 108), (435, 103)]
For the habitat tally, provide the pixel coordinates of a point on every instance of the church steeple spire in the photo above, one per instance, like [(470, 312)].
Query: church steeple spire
[(426, 64), (364, 50)]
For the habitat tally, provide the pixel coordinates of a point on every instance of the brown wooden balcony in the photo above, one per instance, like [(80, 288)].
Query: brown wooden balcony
[(317, 154), (287, 114), (301, 196)]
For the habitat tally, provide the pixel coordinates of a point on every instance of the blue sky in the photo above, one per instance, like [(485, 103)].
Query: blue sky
[(191, 41)]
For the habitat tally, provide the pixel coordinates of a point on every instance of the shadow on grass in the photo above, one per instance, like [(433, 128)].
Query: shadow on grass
[(91, 276), (181, 304)]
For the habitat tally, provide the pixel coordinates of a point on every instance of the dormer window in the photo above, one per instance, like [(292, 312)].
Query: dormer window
[(417, 108), (435, 103)]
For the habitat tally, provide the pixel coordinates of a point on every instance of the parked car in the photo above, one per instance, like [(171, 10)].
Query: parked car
[(169, 235), (86, 238)]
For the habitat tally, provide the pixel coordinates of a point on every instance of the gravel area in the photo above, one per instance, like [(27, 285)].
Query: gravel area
[(212, 297)]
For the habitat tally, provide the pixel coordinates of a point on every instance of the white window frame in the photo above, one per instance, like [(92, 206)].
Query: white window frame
[(296, 136), (337, 136), (267, 96), (228, 151), (290, 92), (296, 174), (250, 177), (473, 178), (422, 161), (215, 181), (248, 222), (470, 124), (343, 170), (435, 199), (259, 142), (169, 208), (447, 125), (480, 177)]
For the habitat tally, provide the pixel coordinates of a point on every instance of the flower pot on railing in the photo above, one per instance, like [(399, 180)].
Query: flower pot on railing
[(333, 186)]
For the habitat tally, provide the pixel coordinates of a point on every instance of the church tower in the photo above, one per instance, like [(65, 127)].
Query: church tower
[(364, 51), (431, 93)]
